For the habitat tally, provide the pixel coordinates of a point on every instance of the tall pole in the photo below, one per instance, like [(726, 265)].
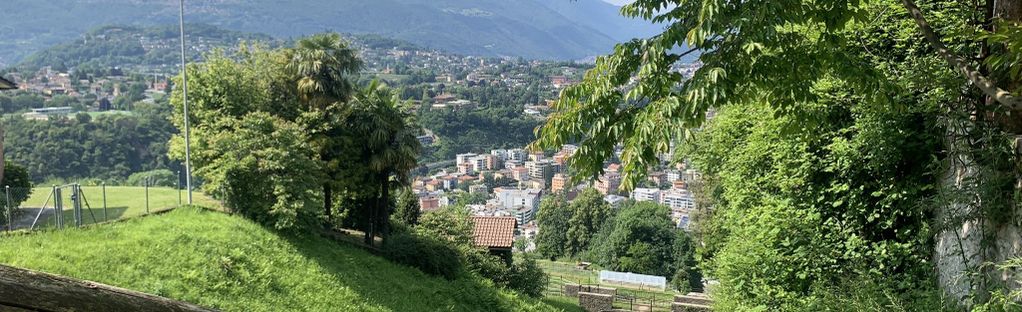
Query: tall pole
[(184, 89)]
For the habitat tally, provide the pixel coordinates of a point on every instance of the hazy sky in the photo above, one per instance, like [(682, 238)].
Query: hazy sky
[(618, 2)]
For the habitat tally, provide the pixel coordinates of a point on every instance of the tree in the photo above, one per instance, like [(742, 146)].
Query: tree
[(266, 170), (552, 219), (389, 148), (687, 275), (17, 178), (639, 240), (408, 209), (322, 67), (589, 213), (526, 276), (798, 57), (452, 224)]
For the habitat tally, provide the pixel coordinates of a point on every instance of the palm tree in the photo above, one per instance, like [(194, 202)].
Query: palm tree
[(322, 67), (390, 147)]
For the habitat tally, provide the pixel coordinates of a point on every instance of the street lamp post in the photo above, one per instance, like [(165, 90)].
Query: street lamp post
[(184, 89)]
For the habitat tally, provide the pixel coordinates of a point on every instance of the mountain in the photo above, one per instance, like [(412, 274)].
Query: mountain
[(129, 46), (542, 29), (604, 17)]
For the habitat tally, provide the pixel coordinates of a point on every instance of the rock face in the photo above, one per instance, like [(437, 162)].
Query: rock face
[(593, 302), (968, 238)]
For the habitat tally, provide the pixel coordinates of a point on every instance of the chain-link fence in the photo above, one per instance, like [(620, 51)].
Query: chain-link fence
[(75, 205)]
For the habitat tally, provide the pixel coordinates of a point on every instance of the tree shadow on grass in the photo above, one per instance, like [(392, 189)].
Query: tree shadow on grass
[(378, 280)]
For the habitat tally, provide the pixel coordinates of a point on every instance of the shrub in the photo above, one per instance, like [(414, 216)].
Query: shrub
[(525, 276), (484, 264), (159, 178), (429, 255), (21, 186)]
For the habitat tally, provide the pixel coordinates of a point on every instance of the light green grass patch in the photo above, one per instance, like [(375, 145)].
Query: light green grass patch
[(230, 263), (121, 202)]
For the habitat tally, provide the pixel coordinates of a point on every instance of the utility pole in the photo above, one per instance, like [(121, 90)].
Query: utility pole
[(184, 89)]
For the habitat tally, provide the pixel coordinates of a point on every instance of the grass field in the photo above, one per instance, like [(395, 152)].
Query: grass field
[(121, 202), (562, 273), (230, 263)]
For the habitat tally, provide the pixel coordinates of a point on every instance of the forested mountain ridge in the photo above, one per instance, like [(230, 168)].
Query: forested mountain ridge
[(112, 46), (531, 28)]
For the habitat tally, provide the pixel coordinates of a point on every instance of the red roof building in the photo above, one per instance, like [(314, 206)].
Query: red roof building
[(494, 233)]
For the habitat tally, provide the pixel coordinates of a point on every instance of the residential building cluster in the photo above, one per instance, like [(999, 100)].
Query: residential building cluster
[(514, 182)]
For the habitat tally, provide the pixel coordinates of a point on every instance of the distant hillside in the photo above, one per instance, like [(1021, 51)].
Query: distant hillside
[(230, 263), (110, 46), (547, 29)]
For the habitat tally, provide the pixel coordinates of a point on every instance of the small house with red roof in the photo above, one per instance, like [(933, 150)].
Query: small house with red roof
[(496, 234)]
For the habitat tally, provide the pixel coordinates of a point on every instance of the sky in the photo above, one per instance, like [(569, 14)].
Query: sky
[(618, 2)]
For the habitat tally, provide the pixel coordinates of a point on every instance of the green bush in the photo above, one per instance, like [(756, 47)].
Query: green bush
[(17, 178), (157, 178), (525, 276), (430, 255)]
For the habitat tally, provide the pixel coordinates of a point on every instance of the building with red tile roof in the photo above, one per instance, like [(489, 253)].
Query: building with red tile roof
[(496, 234)]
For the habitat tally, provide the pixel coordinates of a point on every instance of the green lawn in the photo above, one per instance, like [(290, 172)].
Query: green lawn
[(567, 304), (121, 202), (230, 263), (111, 112), (562, 273)]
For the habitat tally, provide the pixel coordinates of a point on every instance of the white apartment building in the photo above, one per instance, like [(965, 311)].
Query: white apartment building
[(646, 194), (681, 200), (464, 158)]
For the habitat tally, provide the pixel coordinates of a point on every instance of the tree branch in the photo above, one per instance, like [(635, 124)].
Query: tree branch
[(1000, 95)]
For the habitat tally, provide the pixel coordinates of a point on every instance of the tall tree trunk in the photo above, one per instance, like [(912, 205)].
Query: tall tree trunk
[(367, 219), (384, 217), (370, 232), (328, 202)]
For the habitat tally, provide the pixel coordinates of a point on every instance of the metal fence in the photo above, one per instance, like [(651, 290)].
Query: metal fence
[(76, 205), (639, 298)]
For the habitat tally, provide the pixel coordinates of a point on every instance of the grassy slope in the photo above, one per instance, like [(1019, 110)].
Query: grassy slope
[(230, 263)]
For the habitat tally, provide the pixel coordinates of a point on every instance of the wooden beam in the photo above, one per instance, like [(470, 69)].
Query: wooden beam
[(22, 289)]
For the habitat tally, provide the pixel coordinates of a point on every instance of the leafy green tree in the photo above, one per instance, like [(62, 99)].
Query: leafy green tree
[(466, 198), (451, 223), (17, 178), (321, 68), (108, 147), (526, 276), (552, 219), (687, 275), (831, 209), (267, 170), (793, 60), (589, 212), (389, 148), (408, 209), (640, 239)]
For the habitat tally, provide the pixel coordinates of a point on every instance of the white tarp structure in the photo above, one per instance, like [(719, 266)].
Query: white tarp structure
[(633, 279)]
